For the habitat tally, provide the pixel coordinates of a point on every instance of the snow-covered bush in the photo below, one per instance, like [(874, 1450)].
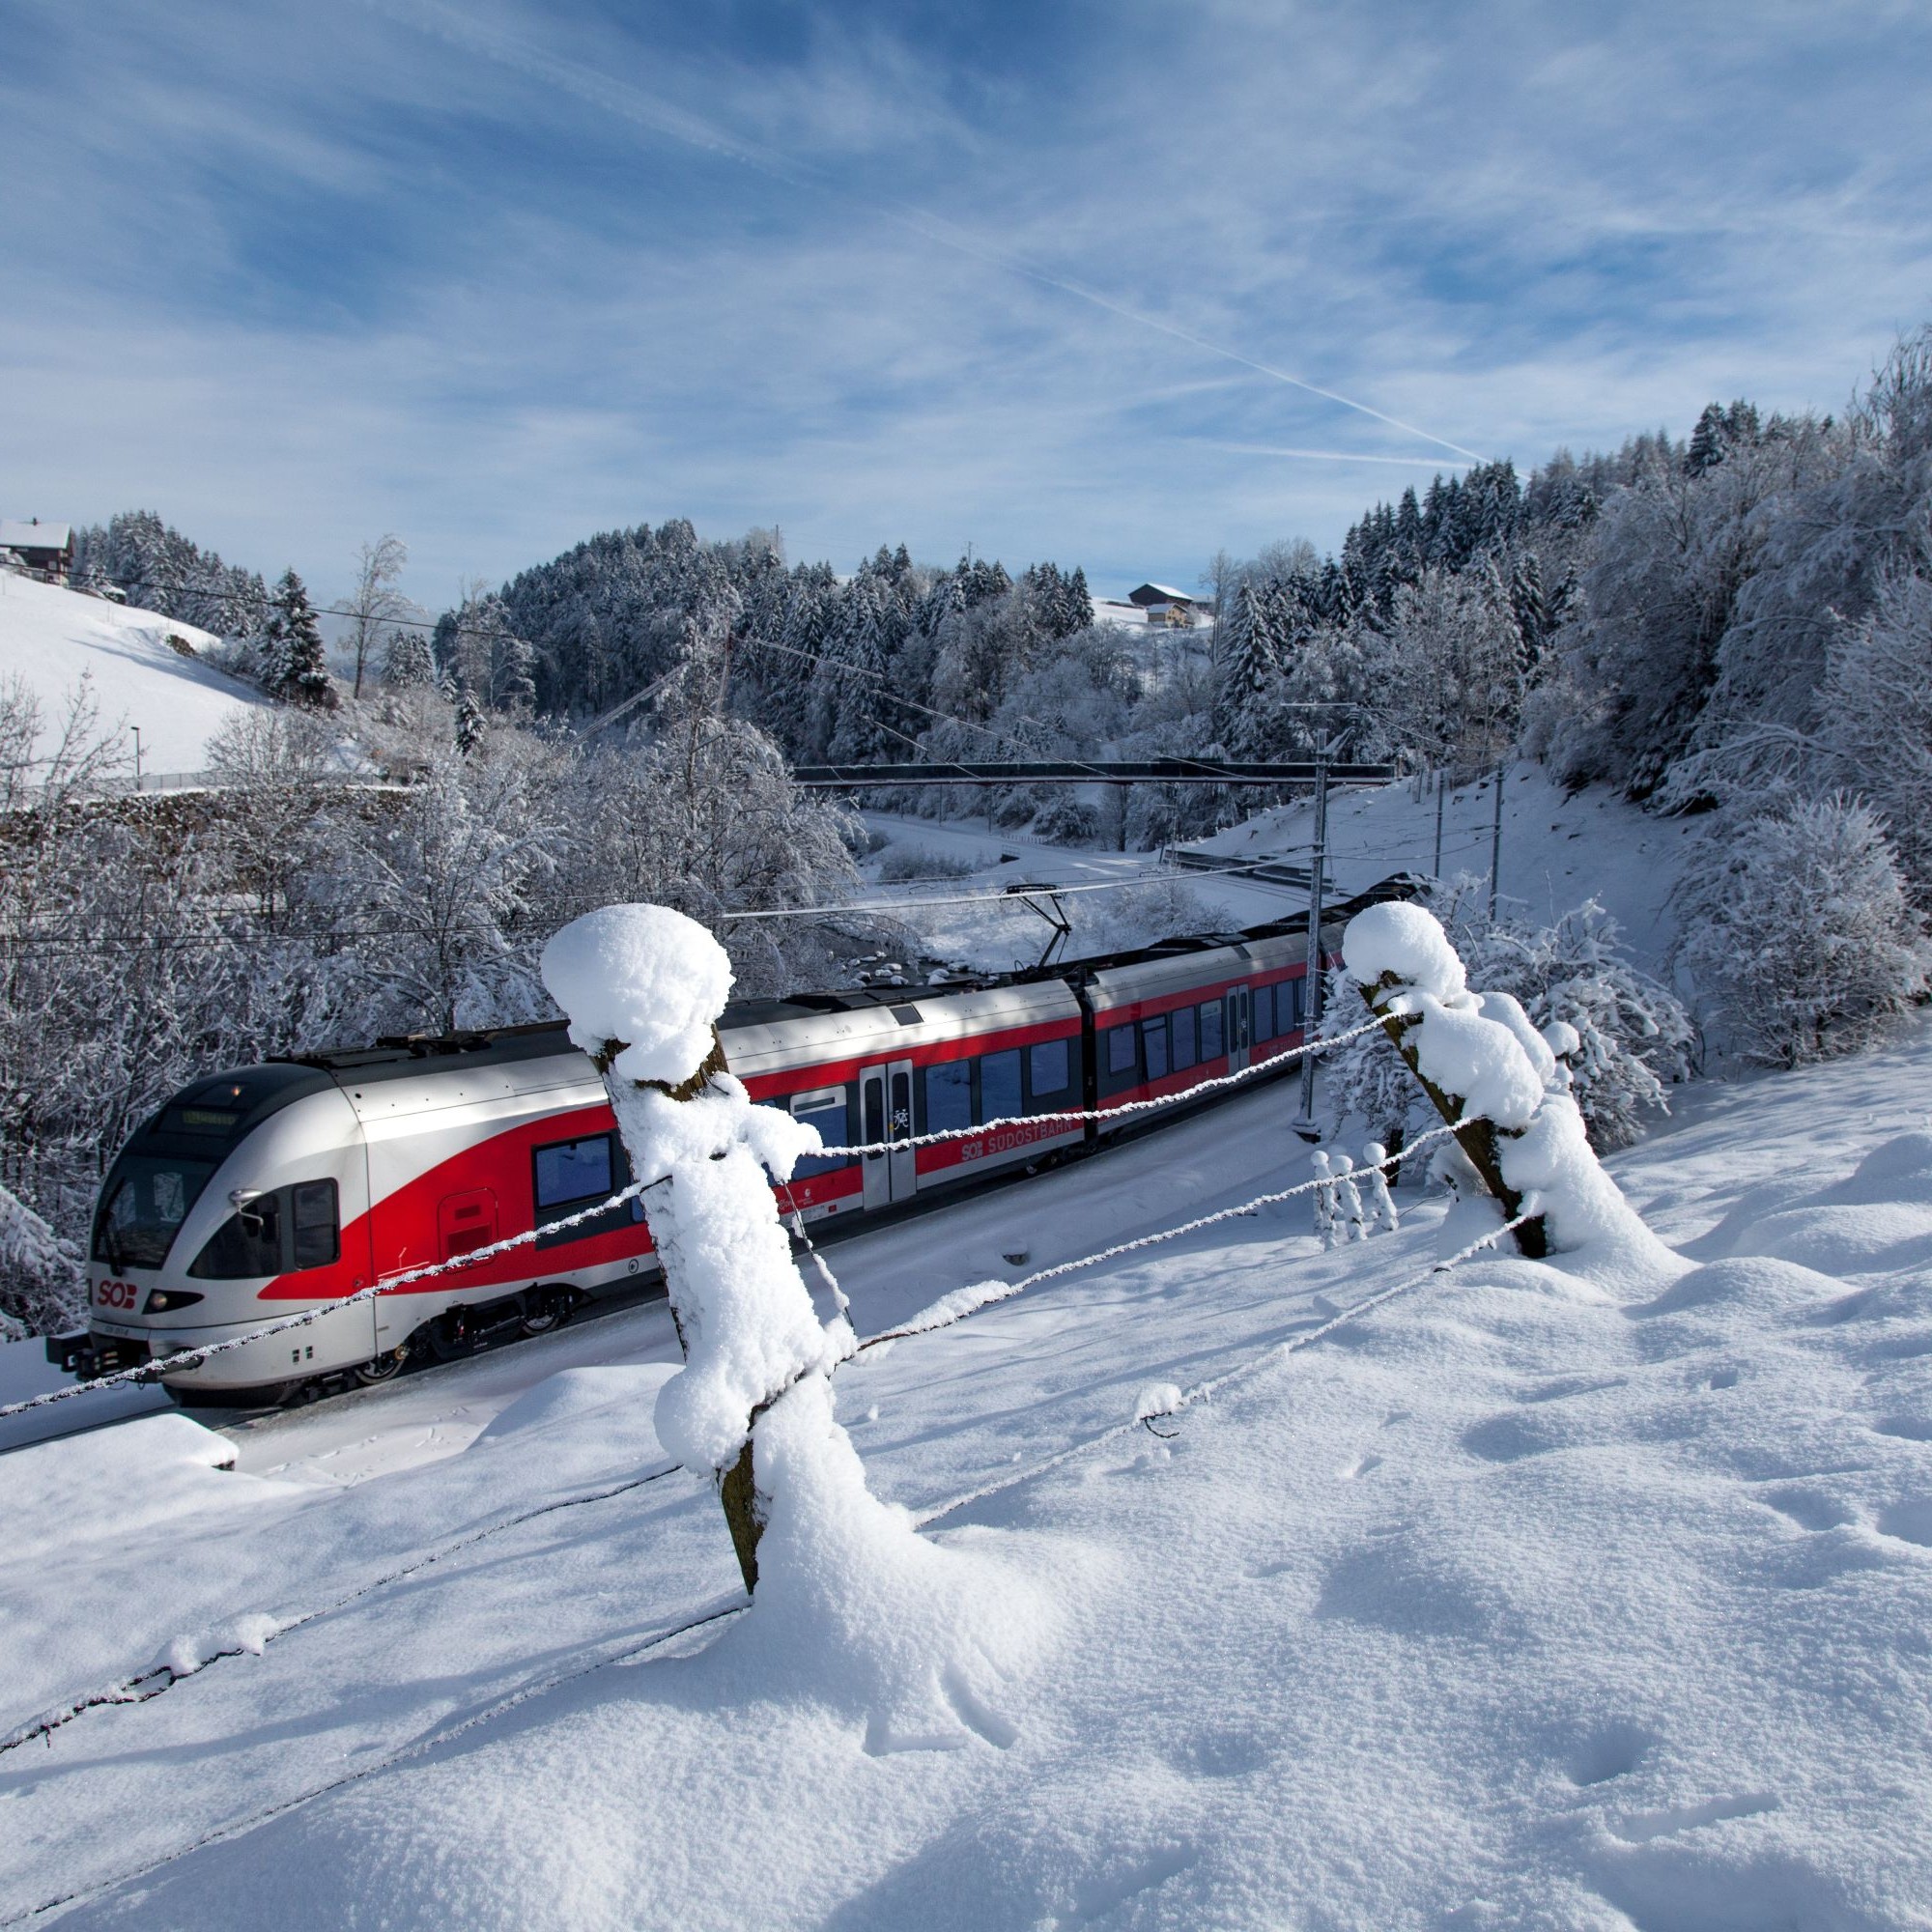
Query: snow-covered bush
[(1070, 821), (1798, 926), (1634, 1036), (43, 1290)]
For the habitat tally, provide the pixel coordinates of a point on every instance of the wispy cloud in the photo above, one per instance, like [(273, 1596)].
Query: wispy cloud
[(1182, 279)]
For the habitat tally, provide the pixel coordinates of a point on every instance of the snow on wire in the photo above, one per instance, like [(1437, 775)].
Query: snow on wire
[(1272, 1064), (964, 1301), (1213, 1385), (190, 1358)]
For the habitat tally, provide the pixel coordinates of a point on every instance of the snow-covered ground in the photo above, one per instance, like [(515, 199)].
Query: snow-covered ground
[(1557, 849), (51, 638), (1526, 1600)]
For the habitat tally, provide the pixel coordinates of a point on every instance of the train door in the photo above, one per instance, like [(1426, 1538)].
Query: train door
[(885, 1112), (1240, 1020)]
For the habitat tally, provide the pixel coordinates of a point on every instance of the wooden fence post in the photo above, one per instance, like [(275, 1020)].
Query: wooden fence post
[(1477, 1138), (737, 1486)]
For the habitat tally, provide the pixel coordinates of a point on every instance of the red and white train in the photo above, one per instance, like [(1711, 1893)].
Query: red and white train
[(289, 1185)]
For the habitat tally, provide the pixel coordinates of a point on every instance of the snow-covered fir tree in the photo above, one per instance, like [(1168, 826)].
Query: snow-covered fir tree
[(294, 662)]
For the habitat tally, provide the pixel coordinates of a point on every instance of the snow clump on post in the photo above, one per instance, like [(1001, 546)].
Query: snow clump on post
[(1496, 1080), (852, 1604)]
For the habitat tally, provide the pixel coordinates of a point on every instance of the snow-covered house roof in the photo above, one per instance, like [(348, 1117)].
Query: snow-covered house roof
[(1157, 593), (15, 533)]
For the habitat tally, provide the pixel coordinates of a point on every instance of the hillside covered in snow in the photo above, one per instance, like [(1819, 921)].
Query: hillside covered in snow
[(51, 639)]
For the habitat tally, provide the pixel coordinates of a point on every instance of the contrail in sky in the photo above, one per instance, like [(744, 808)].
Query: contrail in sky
[(631, 104)]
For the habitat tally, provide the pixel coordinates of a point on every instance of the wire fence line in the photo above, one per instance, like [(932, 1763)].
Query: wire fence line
[(628, 1650), (147, 1685), (956, 1307), (1273, 1062), (1215, 1385), (633, 1649), (190, 1358)]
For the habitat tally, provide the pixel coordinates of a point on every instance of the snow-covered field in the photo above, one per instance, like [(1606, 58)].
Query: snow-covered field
[(50, 639), (1528, 1598)]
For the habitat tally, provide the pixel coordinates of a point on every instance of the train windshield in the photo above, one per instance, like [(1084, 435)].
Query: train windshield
[(142, 1206)]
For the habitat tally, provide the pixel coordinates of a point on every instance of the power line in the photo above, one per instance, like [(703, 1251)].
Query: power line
[(834, 909)]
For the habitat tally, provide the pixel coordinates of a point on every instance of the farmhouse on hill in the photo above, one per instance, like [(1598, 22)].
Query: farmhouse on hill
[(46, 549), (1164, 605)]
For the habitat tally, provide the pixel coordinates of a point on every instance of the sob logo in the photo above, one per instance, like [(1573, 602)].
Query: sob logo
[(109, 1294), (1005, 1140)]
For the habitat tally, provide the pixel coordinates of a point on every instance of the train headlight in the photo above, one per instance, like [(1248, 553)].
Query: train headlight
[(165, 1301)]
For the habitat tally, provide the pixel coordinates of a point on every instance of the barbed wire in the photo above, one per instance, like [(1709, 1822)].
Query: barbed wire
[(1217, 1385), (1220, 1081), (956, 1306)]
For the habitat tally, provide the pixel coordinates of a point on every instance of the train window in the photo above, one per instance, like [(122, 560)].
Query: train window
[(142, 1206), (568, 1177), (1121, 1055), (1186, 1053), (247, 1246), (569, 1173), (1000, 1085), (1050, 1072), (948, 1095), (1287, 1005), (1153, 1036), (315, 1224), (824, 1108), (1210, 1031), (1263, 1012)]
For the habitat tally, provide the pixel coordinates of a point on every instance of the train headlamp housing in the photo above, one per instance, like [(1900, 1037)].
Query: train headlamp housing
[(165, 1301)]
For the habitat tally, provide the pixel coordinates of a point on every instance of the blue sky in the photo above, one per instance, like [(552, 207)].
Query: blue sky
[(1034, 278)]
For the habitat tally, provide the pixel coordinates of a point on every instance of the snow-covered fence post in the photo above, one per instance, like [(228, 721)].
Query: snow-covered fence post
[(1498, 1084), (1382, 1217), (1328, 1221), (1407, 972), (1349, 1200), (642, 987)]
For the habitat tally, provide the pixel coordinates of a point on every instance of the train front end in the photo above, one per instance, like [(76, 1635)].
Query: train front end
[(224, 1212)]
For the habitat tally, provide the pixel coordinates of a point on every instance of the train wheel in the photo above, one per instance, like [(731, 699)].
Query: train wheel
[(381, 1369), (548, 1308)]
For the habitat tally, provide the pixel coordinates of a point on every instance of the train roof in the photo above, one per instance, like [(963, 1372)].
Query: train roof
[(398, 1056)]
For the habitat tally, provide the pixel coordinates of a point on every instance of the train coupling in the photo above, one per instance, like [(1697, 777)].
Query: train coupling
[(85, 1355)]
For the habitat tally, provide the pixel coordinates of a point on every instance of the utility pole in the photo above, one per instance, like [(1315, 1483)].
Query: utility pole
[(1495, 841), (1310, 1011), (136, 729), (1441, 785)]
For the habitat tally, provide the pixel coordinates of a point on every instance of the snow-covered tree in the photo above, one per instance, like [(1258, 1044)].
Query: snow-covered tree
[(293, 658), (1798, 926), (375, 603), (1634, 1038), (409, 664)]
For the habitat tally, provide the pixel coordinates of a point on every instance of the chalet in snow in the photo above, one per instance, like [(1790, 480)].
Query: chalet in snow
[(1151, 604), (44, 550), (1164, 605)]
